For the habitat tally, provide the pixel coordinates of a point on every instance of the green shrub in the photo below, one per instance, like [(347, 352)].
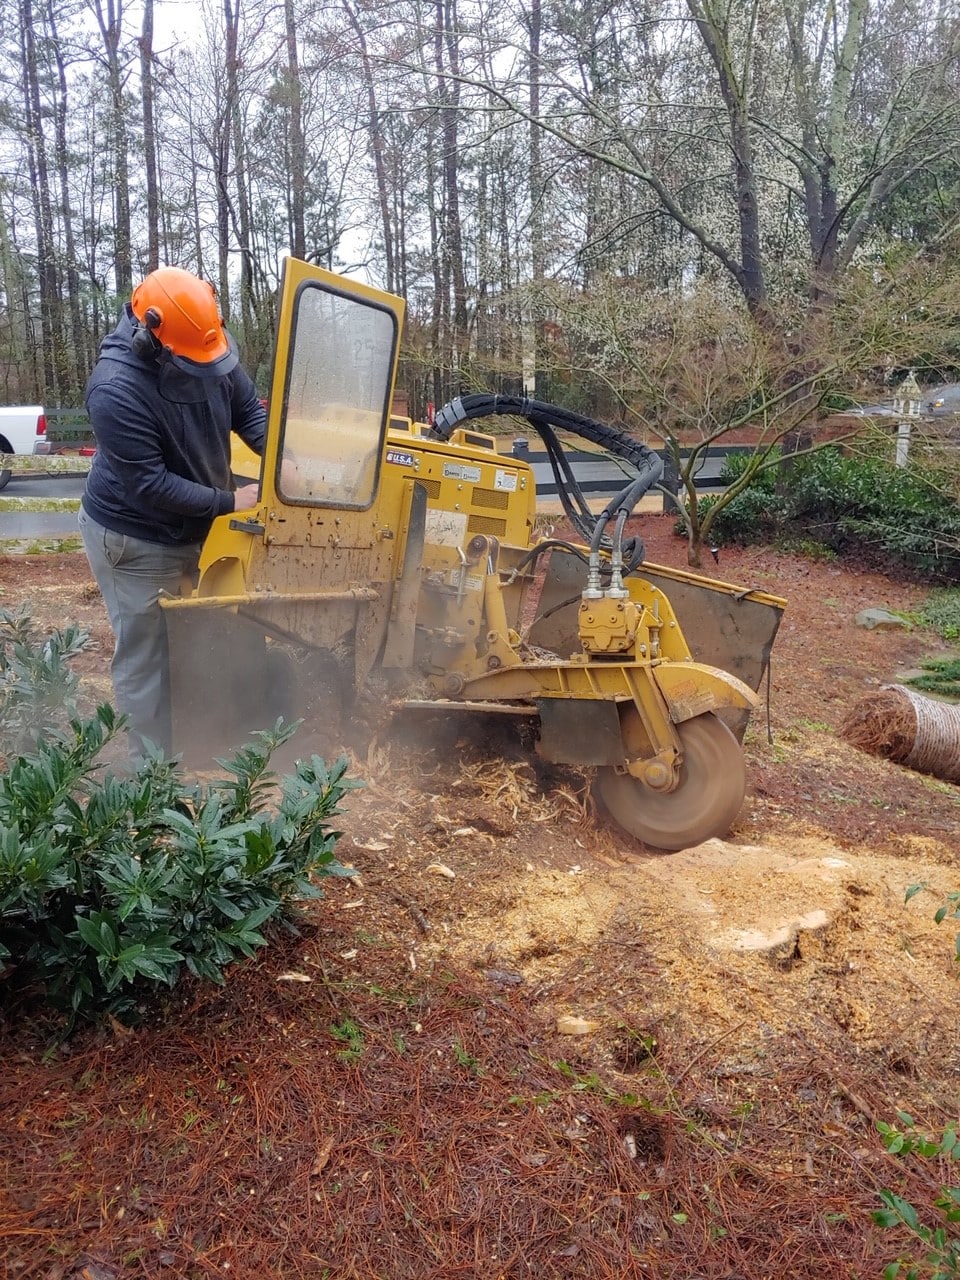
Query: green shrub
[(837, 402), (753, 516), (935, 1245), (892, 517), (37, 685), (735, 464), (111, 887)]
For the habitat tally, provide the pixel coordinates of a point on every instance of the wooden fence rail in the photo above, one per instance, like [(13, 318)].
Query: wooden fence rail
[(600, 475), (597, 473), (46, 464), (68, 424)]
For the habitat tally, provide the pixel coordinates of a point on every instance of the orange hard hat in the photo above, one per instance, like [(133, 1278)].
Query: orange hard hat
[(182, 316)]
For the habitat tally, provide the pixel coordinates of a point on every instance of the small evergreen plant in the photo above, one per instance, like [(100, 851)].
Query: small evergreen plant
[(861, 506), (935, 1245), (111, 886)]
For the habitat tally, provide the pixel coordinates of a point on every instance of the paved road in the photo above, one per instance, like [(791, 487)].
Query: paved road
[(936, 402), (44, 487), (944, 399), (28, 526)]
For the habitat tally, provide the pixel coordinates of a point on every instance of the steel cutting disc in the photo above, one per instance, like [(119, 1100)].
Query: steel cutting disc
[(705, 802)]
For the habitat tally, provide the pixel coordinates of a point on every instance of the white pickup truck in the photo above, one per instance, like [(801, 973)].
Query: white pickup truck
[(23, 429)]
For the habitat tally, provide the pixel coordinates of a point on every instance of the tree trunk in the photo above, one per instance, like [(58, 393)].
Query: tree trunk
[(149, 138), (376, 144), (17, 317), (537, 202), (298, 180), (78, 355), (231, 24), (736, 92), (47, 276), (110, 22), (437, 312), (242, 223), (450, 103)]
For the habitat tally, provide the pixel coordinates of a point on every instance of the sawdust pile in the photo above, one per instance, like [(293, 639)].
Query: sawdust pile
[(908, 729)]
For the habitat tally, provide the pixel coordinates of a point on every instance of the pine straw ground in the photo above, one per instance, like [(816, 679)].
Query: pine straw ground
[(387, 1094)]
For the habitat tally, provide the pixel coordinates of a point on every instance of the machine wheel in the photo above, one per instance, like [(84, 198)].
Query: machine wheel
[(705, 801), (5, 475)]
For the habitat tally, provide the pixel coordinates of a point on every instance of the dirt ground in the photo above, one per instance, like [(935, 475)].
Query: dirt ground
[(396, 1093)]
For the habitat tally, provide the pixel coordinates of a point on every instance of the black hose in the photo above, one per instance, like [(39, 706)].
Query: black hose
[(575, 505), (546, 419), (549, 544)]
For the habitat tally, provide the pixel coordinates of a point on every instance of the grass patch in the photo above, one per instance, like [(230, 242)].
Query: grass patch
[(941, 612), (64, 545), (941, 676)]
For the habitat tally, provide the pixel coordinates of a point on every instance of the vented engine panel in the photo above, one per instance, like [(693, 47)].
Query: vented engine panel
[(471, 489)]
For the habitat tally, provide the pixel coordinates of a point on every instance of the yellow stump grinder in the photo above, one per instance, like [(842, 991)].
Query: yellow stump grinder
[(391, 553)]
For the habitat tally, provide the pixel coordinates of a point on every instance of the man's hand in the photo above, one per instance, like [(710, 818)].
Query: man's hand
[(246, 497)]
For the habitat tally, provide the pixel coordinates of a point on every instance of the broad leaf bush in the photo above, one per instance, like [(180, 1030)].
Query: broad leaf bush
[(892, 517), (755, 515), (934, 1252), (37, 684), (114, 886)]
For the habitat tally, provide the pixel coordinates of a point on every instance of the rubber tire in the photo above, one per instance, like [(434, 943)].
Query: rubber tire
[(705, 802)]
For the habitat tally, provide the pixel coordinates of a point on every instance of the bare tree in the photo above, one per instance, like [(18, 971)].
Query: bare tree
[(447, 58), (377, 146), (538, 259), (80, 349), (298, 178), (36, 148), (773, 166), (149, 138), (692, 373), (109, 15)]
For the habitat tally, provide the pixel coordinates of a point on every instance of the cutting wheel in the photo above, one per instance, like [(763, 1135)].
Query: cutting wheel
[(705, 801)]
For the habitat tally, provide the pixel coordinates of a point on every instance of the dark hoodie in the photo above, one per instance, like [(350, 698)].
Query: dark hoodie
[(162, 467)]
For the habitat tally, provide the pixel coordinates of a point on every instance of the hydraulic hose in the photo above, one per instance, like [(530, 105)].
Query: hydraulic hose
[(546, 419), (613, 439)]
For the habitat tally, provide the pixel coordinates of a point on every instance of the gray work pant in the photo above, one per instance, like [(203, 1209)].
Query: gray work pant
[(131, 573)]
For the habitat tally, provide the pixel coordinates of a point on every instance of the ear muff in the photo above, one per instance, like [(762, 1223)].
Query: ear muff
[(145, 342)]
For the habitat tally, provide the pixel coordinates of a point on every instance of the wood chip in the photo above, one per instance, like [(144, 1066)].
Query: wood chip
[(323, 1155), (570, 1025), (441, 869)]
